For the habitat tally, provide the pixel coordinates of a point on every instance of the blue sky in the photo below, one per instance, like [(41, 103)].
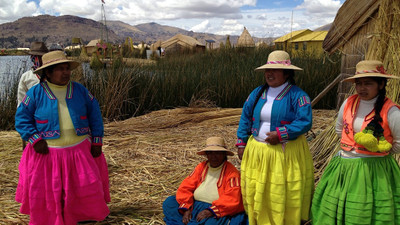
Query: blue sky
[(262, 18)]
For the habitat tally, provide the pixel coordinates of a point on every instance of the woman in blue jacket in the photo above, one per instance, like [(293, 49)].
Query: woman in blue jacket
[(277, 169), (63, 173)]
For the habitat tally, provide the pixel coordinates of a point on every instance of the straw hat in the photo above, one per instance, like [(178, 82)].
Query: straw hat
[(38, 48), (215, 144), (278, 60), (53, 58), (369, 68)]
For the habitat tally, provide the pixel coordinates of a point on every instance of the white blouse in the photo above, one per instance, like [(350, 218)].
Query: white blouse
[(265, 115)]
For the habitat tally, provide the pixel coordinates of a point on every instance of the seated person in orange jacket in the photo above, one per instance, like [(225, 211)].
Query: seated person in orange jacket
[(210, 194)]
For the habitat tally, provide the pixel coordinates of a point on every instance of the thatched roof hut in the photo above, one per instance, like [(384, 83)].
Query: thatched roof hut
[(373, 32), (362, 29), (155, 46), (182, 42), (91, 47), (245, 39)]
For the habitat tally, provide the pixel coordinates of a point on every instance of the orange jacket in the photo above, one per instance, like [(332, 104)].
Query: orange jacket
[(347, 142), (230, 197)]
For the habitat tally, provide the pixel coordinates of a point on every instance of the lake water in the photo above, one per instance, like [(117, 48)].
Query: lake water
[(11, 69)]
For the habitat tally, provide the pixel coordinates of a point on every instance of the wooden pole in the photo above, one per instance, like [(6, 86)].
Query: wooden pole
[(328, 88)]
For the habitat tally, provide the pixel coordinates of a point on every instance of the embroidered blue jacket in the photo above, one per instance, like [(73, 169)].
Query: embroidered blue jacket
[(291, 114), (37, 117)]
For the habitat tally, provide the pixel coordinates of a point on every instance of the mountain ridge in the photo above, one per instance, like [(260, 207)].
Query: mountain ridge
[(61, 29)]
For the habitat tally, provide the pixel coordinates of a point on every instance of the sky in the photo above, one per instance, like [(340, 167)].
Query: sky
[(262, 18)]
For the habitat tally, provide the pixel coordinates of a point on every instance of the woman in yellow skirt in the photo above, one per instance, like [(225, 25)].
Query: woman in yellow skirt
[(277, 169)]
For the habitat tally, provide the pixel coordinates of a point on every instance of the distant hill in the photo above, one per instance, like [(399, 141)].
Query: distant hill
[(125, 30), (51, 29), (152, 32), (61, 29)]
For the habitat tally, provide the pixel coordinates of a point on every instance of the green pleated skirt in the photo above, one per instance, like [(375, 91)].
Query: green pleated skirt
[(277, 182), (358, 191)]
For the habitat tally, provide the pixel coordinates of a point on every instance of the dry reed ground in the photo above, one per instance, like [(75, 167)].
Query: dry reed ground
[(148, 157)]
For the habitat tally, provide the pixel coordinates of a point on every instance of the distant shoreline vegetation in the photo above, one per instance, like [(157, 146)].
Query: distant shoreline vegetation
[(218, 78), (21, 51)]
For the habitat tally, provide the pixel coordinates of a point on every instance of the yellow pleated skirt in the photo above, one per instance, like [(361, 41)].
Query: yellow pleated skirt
[(277, 182)]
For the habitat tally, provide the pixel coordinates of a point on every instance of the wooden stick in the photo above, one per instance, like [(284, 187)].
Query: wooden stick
[(328, 88)]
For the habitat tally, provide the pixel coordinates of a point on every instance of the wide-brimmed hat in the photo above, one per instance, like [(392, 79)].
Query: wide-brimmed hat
[(278, 60), (369, 68), (38, 48), (215, 144), (54, 58)]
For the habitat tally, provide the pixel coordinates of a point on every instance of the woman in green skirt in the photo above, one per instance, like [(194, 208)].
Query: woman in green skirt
[(361, 184), (277, 169)]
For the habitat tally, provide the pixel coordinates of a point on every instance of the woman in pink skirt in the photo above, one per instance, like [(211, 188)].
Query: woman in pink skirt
[(63, 173)]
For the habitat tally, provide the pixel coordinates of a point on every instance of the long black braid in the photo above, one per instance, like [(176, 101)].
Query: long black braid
[(378, 106)]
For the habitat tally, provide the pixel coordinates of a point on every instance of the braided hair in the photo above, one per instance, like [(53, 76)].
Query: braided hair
[(378, 105)]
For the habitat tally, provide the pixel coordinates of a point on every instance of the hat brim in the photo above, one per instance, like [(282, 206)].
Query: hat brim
[(215, 149), (362, 75), (277, 66), (72, 65), (36, 53)]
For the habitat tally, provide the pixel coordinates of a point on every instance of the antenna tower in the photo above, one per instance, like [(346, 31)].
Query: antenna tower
[(104, 30)]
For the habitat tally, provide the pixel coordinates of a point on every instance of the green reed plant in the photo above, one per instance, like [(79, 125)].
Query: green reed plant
[(110, 86), (223, 78), (8, 106), (318, 73), (8, 97), (228, 77)]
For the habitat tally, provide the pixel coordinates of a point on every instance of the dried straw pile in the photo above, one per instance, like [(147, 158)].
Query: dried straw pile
[(148, 157)]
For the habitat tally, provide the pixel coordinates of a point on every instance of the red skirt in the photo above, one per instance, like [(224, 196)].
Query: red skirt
[(63, 187)]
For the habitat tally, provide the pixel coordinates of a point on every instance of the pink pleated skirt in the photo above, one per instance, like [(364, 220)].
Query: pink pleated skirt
[(63, 187)]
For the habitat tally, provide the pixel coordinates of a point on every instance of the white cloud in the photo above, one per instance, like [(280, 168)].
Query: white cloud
[(211, 16), (12, 10), (262, 16), (230, 27), (150, 10), (202, 27), (320, 11), (269, 22)]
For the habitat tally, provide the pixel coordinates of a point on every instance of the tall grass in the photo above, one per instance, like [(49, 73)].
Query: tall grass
[(222, 78), (8, 106), (318, 73), (8, 93)]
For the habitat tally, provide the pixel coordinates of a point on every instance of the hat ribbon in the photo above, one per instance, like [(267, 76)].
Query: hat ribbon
[(54, 60), (379, 69), (216, 145), (371, 71), (285, 62)]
